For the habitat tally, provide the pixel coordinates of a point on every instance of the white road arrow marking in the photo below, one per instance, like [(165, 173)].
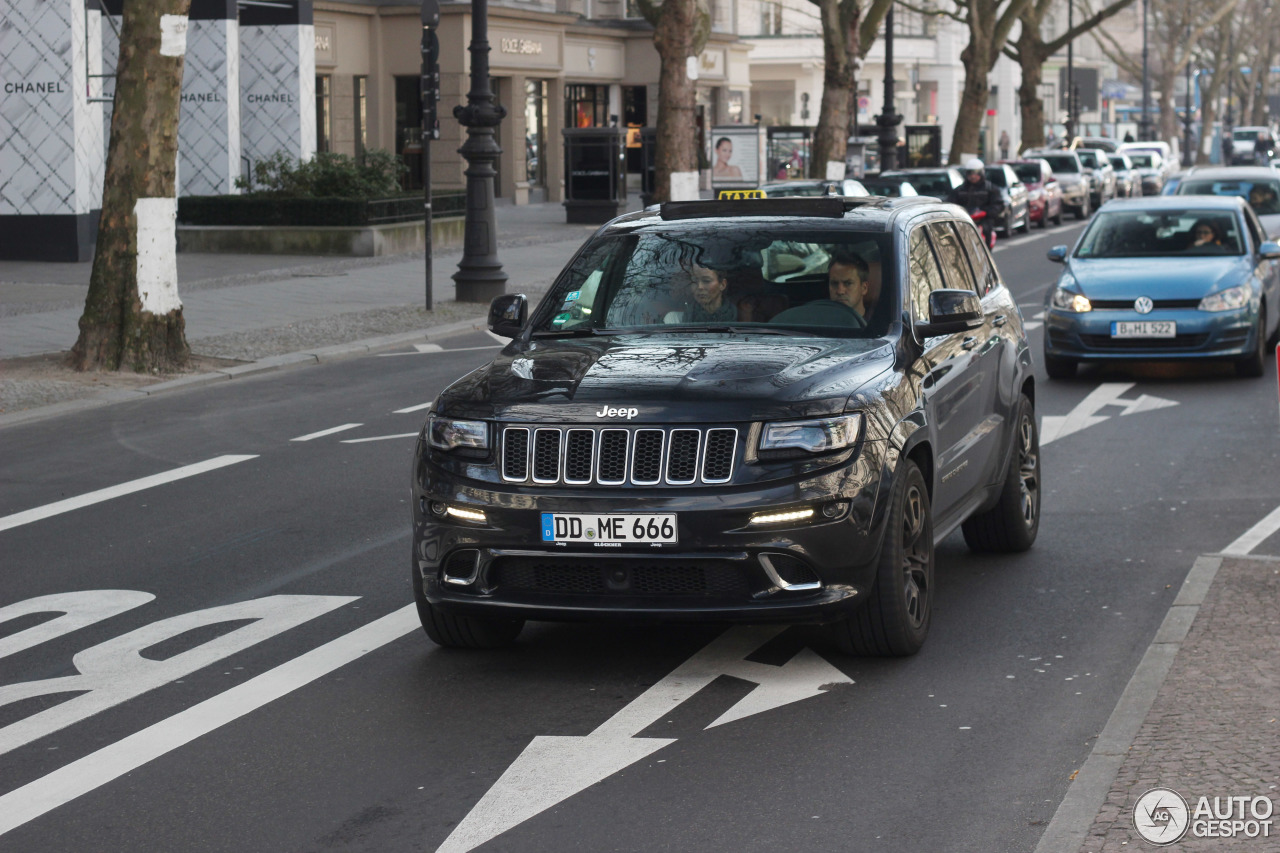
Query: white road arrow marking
[(552, 769), (1085, 414)]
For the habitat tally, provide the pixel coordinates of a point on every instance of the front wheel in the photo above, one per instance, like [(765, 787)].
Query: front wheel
[(1057, 220), (1082, 212), (1012, 524), (895, 619), (462, 632)]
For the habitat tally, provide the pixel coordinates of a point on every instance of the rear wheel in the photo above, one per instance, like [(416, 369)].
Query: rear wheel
[(462, 632), (1012, 524), (1083, 211), (895, 619), (1057, 219), (1253, 365), (1026, 223)]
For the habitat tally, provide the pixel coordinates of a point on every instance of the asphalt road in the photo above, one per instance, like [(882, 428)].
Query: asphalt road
[(256, 679)]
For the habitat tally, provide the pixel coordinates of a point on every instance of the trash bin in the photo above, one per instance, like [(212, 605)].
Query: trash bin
[(595, 187)]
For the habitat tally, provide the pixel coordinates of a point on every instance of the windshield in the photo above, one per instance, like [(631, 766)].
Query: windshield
[(1028, 173), (1159, 233), (1263, 194), (996, 176), (754, 276), (888, 187), (1119, 164), (793, 190), (1061, 163), (1088, 158), (1142, 161), (928, 183), (1245, 134)]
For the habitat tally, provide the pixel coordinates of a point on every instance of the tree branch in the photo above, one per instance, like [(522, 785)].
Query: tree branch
[(1088, 24)]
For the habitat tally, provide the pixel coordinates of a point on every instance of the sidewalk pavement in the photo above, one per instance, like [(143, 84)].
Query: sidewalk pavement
[(1201, 715)]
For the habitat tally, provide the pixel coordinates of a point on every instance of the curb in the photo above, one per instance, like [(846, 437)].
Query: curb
[(1069, 828), (321, 355)]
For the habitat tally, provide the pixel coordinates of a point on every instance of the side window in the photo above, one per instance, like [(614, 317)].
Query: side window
[(923, 273), (951, 256), (983, 270)]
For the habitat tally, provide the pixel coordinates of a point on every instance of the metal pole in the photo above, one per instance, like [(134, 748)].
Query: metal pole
[(1144, 126), (1187, 157), (480, 276), (1071, 83), (1228, 119), (888, 118), (430, 94)]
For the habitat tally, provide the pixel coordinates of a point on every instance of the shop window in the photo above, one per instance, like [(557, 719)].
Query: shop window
[(324, 117), (409, 128), (536, 132), (586, 105), (361, 89)]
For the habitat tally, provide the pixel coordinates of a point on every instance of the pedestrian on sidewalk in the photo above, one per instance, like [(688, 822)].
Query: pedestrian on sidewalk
[(1004, 145)]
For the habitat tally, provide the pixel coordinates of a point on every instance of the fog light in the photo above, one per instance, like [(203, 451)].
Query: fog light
[(835, 509), (439, 508), (467, 514), (780, 517)]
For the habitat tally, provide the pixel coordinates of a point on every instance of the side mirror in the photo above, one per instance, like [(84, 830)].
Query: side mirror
[(1058, 254), (1269, 250), (951, 311), (507, 314)]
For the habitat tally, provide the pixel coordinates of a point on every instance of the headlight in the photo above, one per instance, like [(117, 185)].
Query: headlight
[(1226, 300), (815, 436), (447, 433), (1069, 300)]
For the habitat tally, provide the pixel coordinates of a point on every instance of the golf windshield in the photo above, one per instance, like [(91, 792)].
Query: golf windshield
[(1161, 233)]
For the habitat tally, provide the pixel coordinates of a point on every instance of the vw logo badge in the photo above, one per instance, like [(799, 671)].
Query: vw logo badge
[(1143, 305)]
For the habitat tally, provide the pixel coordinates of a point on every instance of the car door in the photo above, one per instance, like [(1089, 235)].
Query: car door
[(975, 426), (1268, 271)]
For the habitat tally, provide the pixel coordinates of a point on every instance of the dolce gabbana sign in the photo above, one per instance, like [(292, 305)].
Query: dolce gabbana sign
[(527, 47)]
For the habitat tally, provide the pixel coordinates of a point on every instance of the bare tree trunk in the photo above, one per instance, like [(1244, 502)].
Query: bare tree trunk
[(680, 31), (132, 315), (1031, 60), (973, 98), (1168, 115), (839, 52), (1261, 87)]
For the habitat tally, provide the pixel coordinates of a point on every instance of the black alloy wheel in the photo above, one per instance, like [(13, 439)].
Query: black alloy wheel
[(1012, 524), (894, 621)]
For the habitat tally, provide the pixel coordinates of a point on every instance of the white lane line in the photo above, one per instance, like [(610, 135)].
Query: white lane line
[(40, 512), (499, 338), (420, 350), (416, 408), (1032, 325), (379, 438), (1254, 536), (428, 348), (322, 433), (124, 756)]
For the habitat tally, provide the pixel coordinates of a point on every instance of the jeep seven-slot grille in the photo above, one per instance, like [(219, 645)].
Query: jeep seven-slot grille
[(613, 456)]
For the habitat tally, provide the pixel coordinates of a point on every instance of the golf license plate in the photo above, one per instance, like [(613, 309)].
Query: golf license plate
[(614, 528), (1145, 329)]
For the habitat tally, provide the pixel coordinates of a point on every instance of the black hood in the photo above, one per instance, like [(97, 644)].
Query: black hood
[(711, 377)]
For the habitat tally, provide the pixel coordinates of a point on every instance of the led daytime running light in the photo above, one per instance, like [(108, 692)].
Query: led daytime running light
[(778, 517), (467, 514)]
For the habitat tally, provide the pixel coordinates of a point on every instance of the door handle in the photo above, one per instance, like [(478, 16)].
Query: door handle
[(969, 343), (1000, 320)]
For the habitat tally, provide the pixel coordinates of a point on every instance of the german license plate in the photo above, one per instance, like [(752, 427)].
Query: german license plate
[(615, 528), (1145, 329)]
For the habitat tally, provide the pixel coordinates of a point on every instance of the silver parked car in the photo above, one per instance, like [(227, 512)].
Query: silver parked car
[(1102, 176), (1128, 179), (1076, 183)]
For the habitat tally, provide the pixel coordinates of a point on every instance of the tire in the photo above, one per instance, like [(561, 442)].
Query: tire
[(1253, 365), (1059, 368), (1026, 223), (1011, 525), (462, 632), (1044, 219), (895, 619), (1057, 220)]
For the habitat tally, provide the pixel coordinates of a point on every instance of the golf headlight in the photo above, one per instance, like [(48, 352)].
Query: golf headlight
[(815, 436), (1069, 300), (447, 433), (1226, 300)]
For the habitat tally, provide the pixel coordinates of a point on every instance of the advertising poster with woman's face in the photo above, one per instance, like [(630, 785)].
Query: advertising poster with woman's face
[(735, 156)]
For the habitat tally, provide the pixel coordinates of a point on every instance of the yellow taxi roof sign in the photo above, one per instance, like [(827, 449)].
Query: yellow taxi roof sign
[(737, 195)]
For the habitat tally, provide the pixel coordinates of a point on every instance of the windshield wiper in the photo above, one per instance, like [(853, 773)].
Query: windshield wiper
[(732, 330)]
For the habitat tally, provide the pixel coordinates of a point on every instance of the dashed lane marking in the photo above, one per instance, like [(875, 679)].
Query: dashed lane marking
[(416, 408), (322, 433), (1254, 536), (419, 349), (380, 438), (124, 756), (59, 507)]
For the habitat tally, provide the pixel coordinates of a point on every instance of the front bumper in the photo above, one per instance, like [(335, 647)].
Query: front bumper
[(1200, 334), (1074, 196), (721, 569)]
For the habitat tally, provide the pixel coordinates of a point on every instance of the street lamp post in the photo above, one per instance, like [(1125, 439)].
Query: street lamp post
[(1228, 119), (480, 276), (888, 119), (1071, 82), (1144, 124), (1188, 158)]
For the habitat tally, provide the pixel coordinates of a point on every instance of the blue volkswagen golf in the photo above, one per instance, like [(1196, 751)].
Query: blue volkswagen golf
[(1165, 278)]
